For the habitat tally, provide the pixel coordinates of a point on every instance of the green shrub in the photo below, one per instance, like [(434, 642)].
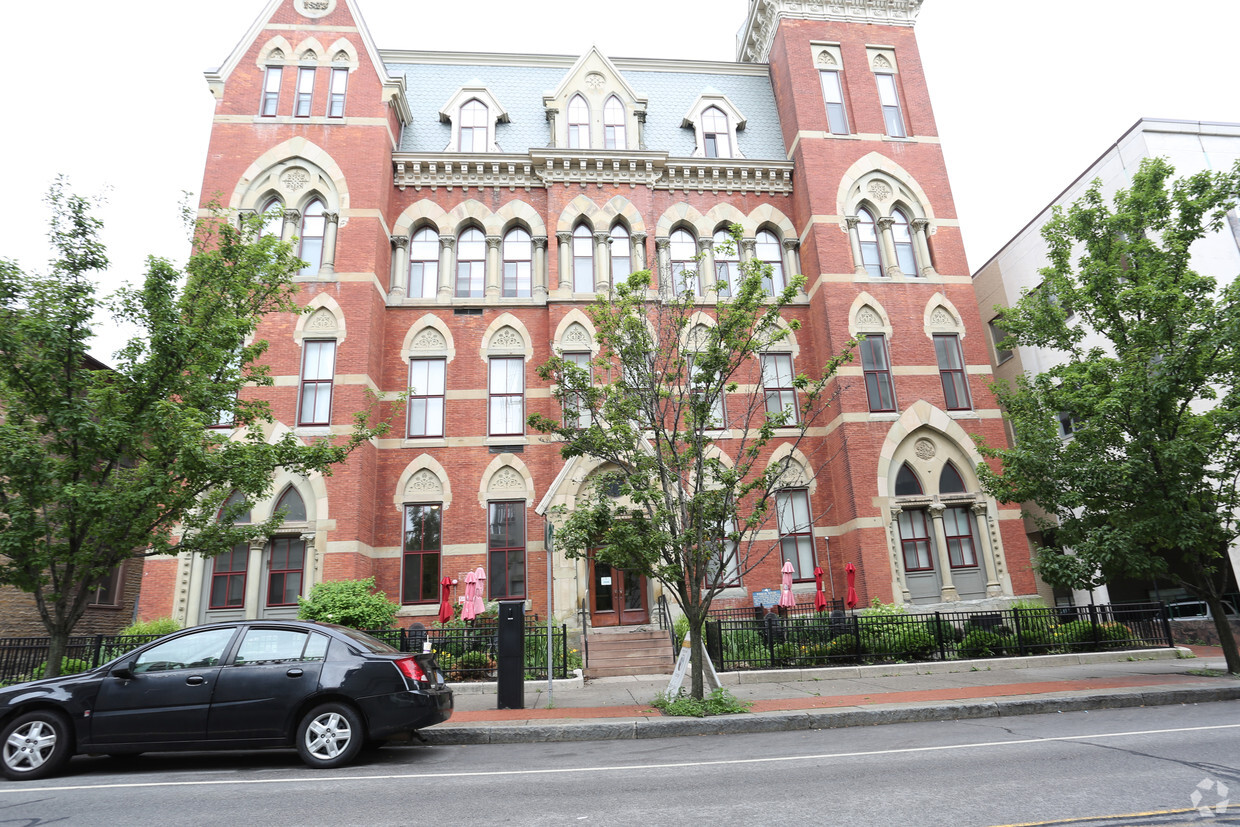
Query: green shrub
[(746, 647), (719, 702), (887, 635), (352, 603), (680, 628), (1037, 626), (158, 626), (978, 643), (841, 647), (1076, 634), (68, 666), (474, 665)]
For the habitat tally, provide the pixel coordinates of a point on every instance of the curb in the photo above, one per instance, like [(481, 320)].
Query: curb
[(816, 719)]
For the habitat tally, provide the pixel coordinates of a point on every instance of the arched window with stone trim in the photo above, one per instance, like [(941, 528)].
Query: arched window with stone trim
[(727, 262), (867, 233), (578, 123), (471, 262), (427, 378), (583, 259), (796, 531), (768, 251), (272, 78), (285, 555), (272, 213), (683, 252), (621, 254), (313, 229), (716, 139), (518, 261), (902, 238), (424, 264), (228, 570)]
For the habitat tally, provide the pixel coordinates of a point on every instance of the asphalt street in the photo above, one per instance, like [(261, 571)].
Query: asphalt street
[(1144, 763)]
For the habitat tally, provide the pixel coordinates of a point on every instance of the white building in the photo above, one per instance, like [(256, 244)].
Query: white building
[(1191, 147)]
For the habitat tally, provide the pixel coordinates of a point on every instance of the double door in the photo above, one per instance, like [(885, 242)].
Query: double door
[(617, 597)]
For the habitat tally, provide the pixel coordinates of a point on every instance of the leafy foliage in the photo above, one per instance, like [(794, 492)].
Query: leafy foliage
[(352, 603), (158, 626), (719, 702), (1150, 377), (672, 412), (100, 465)]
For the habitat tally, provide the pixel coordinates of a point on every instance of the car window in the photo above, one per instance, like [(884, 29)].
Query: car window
[(193, 651), (267, 645), (370, 644)]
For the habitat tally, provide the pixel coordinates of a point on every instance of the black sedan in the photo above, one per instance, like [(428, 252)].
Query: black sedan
[(324, 689)]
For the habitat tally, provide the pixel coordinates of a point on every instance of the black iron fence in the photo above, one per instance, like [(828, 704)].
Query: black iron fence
[(464, 653), (879, 637)]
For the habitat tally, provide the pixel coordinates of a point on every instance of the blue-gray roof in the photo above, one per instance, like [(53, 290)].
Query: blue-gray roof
[(520, 90)]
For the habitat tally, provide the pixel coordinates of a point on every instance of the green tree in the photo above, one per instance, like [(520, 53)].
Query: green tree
[(674, 411), (100, 465), (353, 603), (1146, 485)]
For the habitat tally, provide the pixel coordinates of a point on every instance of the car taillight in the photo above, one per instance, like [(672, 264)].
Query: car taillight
[(410, 669)]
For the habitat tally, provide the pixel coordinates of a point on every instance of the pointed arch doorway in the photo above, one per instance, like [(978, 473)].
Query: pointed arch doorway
[(617, 597)]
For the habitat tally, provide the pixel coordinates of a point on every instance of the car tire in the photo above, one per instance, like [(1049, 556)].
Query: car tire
[(35, 745), (330, 735)]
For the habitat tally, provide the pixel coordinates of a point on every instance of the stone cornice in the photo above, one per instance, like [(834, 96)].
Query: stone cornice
[(542, 168), (753, 41)]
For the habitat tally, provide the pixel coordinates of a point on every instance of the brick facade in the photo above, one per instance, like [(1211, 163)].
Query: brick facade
[(391, 167)]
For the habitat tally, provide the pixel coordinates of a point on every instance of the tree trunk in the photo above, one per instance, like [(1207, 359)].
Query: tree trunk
[(58, 644), (695, 655), (1226, 637)]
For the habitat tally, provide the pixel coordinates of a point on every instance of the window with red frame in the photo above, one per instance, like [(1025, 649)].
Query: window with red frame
[(271, 91), (423, 543), (506, 386), (506, 549), (915, 540), (951, 371), (305, 92), (335, 97), (287, 561), (317, 372), (796, 538), (877, 369), (958, 531), (777, 379), (228, 578), (426, 397)]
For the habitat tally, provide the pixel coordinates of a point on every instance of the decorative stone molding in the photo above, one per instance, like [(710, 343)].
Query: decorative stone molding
[(401, 241), (506, 480), (867, 317), (322, 321), (543, 168), (294, 179), (925, 449), (423, 485), (753, 42), (429, 339), (879, 191), (576, 337), (314, 8), (507, 339)]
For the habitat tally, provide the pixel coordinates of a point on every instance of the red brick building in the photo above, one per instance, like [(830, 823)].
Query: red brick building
[(460, 211)]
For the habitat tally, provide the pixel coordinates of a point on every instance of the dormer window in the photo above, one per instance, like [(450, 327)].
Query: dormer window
[(715, 143), (613, 124), (578, 123), (473, 130)]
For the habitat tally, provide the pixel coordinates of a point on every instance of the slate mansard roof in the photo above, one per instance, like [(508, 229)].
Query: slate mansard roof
[(519, 84)]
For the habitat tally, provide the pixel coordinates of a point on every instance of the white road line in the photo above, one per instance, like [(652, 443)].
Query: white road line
[(318, 779)]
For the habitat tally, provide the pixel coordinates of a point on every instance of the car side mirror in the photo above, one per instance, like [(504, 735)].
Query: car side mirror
[(123, 670)]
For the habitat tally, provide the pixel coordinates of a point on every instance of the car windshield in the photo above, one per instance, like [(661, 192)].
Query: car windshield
[(370, 644)]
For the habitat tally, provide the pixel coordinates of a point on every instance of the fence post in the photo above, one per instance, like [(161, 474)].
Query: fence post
[(1093, 623), (1165, 615), (938, 635), (714, 642), (1020, 641), (856, 624), (94, 658)]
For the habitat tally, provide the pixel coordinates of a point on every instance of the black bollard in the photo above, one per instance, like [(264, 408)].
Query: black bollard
[(510, 655)]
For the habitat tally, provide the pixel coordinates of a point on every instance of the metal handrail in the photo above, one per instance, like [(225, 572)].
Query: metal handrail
[(665, 622)]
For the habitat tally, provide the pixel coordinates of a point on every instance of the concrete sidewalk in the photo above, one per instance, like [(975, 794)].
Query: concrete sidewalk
[(619, 708)]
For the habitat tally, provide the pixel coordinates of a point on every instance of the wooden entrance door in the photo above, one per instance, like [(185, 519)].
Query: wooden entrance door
[(617, 598)]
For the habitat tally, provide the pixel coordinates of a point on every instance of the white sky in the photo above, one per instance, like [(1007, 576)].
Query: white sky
[(1026, 95)]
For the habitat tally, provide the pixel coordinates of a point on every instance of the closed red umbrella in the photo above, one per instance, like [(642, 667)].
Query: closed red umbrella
[(820, 599), (480, 602), (851, 600), (445, 600), (785, 587)]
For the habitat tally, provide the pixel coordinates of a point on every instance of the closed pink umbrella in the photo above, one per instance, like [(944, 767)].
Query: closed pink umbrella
[(820, 599), (471, 588), (851, 600), (785, 587), (445, 600), (480, 602)]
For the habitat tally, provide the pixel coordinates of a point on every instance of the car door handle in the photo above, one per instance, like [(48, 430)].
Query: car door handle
[(195, 680), (294, 673)]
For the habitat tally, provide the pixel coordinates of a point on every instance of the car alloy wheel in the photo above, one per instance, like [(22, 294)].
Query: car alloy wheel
[(36, 744), (330, 736)]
